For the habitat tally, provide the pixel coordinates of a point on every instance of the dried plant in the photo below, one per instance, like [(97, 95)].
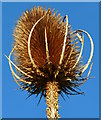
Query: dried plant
[(48, 58)]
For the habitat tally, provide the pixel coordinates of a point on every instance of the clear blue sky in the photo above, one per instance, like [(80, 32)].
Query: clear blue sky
[(81, 16)]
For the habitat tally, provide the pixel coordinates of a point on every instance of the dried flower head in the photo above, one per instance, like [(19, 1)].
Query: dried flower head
[(47, 55)]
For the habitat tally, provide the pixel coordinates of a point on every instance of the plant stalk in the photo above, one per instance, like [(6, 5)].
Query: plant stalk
[(52, 99)]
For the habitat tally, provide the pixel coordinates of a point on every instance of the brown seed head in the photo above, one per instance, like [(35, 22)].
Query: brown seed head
[(46, 49)]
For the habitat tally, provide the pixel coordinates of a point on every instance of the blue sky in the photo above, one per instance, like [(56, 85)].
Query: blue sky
[(81, 16)]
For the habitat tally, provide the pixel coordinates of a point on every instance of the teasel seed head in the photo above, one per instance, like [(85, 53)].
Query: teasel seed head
[(47, 56)]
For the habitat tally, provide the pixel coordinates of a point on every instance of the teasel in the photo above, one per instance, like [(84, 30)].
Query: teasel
[(47, 56)]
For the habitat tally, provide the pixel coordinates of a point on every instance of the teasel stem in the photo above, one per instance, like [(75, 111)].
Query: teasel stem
[(52, 99)]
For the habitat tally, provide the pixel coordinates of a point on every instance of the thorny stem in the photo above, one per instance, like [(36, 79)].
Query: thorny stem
[(52, 99)]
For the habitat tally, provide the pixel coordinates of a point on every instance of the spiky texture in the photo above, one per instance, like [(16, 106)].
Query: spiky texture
[(55, 36), (52, 99), (50, 73)]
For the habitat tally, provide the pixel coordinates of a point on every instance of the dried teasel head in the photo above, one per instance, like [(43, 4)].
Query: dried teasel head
[(48, 57)]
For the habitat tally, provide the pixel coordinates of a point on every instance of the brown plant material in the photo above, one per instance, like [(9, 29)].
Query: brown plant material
[(52, 99), (47, 56)]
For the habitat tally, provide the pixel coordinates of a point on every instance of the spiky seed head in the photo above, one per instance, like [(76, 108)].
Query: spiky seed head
[(46, 45)]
